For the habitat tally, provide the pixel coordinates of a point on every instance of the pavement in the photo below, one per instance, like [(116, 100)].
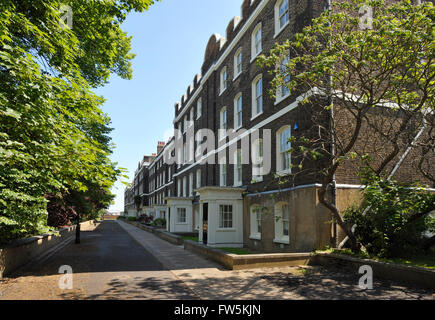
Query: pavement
[(120, 261)]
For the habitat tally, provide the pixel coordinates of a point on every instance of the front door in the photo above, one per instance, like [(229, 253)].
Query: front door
[(204, 222)]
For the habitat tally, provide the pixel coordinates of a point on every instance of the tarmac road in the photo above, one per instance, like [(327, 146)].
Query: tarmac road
[(107, 264)]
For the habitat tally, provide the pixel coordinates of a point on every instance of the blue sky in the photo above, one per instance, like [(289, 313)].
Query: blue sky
[(169, 41)]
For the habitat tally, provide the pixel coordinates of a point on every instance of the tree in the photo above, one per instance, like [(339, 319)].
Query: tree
[(370, 91), (54, 137)]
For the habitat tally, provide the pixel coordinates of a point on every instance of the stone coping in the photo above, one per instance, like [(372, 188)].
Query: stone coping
[(20, 252), (25, 241), (408, 274), (248, 261)]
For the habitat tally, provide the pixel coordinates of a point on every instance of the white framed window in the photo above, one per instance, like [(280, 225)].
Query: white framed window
[(282, 15), (282, 223), (283, 146), (191, 117), (225, 216), (191, 184), (257, 160), (238, 63), (184, 187), (179, 186), (199, 108), (198, 178), (257, 96), (238, 111), (184, 152), (223, 173), (223, 123), (169, 174), (283, 91), (191, 150), (185, 123), (238, 168), (256, 45), (255, 218), (223, 79), (181, 215)]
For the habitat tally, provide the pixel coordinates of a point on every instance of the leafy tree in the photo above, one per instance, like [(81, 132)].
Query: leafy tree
[(397, 218), (377, 80), (54, 137)]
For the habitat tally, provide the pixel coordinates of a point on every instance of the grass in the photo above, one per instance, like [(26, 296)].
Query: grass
[(424, 261), (196, 239), (237, 251)]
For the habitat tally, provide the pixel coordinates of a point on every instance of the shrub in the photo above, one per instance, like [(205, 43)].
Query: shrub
[(132, 218), (398, 218), (146, 219), (159, 222)]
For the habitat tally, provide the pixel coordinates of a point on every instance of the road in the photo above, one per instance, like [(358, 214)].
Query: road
[(120, 261), (107, 264)]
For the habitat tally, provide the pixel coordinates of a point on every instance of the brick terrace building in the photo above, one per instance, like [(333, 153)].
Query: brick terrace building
[(242, 205)]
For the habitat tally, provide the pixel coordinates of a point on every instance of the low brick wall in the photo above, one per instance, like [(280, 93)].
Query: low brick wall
[(20, 252), (421, 277), (248, 261)]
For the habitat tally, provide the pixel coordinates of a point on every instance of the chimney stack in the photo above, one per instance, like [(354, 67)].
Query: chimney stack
[(160, 146)]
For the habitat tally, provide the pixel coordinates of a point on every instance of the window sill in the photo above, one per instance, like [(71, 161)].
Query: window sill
[(256, 116), (225, 230), (238, 75), (255, 57), (255, 237), (258, 180), (282, 241), (277, 33), (281, 99), (283, 173), (220, 93)]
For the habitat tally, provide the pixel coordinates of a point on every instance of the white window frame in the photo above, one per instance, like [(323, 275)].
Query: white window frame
[(238, 63), (191, 184), (226, 216), (257, 160), (278, 15), (192, 117), (280, 222), (181, 213), (198, 178), (238, 168), (184, 187), (223, 80), (255, 97), (199, 108), (279, 151), (223, 173), (223, 123), (179, 188), (238, 114), (255, 221), (283, 92), (254, 43)]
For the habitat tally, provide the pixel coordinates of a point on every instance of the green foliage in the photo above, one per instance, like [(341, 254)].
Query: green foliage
[(54, 137), (397, 218), (131, 218), (159, 222)]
